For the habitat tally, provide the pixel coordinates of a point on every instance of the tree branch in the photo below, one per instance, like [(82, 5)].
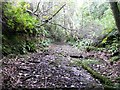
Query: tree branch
[(54, 14), (46, 21), (60, 26), (37, 7), (34, 12)]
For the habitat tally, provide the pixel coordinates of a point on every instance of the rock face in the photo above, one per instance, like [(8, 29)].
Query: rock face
[(46, 71)]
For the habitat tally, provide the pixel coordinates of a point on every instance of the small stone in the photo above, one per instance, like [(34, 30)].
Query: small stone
[(34, 72), (65, 85), (20, 74), (37, 75), (25, 74), (72, 86), (34, 82)]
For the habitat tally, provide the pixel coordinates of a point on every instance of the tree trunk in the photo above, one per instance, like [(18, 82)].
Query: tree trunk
[(116, 14)]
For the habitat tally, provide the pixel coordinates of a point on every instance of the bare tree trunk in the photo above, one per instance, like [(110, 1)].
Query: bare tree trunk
[(116, 14)]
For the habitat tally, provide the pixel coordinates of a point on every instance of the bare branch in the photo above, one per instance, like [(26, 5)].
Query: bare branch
[(46, 21), (31, 12), (37, 7), (54, 14), (34, 12), (60, 26)]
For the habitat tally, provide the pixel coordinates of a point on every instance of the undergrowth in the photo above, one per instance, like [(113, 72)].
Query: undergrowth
[(20, 33)]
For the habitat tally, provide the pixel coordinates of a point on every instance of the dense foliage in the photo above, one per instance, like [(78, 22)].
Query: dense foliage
[(17, 19), (19, 28)]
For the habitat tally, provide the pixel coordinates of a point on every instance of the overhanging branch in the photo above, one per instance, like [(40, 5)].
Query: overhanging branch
[(60, 26), (46, 21), (54, 14), (34, 12), (37, 7)]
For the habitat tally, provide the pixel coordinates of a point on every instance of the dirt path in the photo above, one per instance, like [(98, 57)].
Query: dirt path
[(52, 69)]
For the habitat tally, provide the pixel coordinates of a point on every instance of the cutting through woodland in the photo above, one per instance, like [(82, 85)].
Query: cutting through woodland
[(63, 44)]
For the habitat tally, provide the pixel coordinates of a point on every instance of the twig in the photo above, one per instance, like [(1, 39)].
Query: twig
[(37, 8), (33, 12), (54, 14), (46, 21), (61, 26)]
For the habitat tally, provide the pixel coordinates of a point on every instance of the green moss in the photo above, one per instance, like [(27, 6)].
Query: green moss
[(102, 79), (107, 83), (90, 61), (114, 58), (106, 87), (118, 79)]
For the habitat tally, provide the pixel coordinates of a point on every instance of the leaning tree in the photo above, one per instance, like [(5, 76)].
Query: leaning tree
[(116, 13)]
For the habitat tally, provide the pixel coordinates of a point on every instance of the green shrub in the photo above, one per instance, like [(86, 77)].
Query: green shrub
[(17, 19), (19, 31), (112, 42)]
